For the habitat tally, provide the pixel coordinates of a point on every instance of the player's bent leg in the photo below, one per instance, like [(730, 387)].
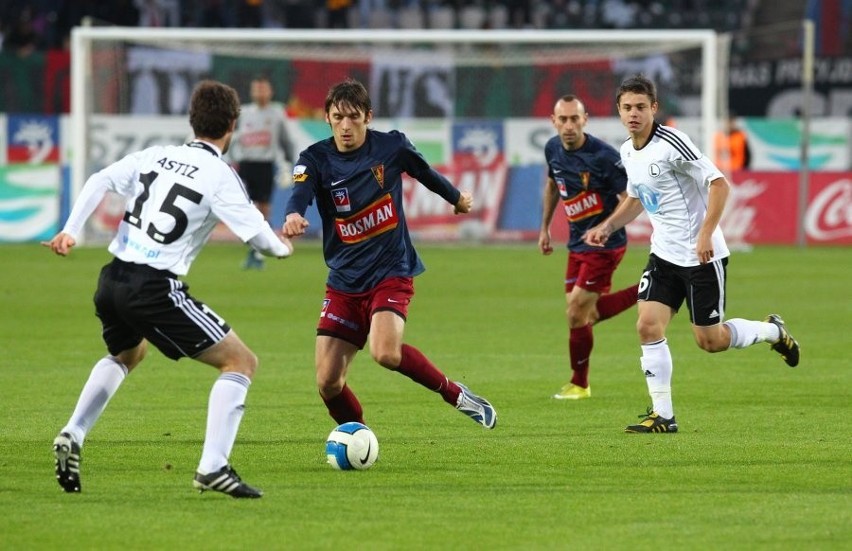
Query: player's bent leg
[(386, 333), (713, 338), (230, 355), (225, 408), (103, 382), (333, 358)]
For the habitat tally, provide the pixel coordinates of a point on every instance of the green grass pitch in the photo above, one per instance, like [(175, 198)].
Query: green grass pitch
[(763, 459)]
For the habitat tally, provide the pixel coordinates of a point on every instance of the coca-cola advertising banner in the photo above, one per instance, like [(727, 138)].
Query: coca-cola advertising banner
[(763, 208)]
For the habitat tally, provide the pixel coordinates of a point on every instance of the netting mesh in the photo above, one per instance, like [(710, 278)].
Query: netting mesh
[(462, 80)]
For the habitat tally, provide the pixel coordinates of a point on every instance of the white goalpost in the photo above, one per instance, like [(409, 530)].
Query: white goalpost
[(498, 75)]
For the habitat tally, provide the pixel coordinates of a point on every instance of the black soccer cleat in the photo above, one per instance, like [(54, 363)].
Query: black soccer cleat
[(67, 454), (227, 481), (652, 422), (786, 345)]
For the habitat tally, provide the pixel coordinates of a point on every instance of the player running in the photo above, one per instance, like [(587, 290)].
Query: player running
[(587, 176), (175, 197), (355, 177), (684, 195)]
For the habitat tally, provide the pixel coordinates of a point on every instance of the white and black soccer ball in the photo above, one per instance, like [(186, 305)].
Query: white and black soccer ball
[(352, 446)]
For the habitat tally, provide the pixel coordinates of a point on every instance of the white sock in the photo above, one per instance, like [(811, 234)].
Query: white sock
[(745, 333), (224, 413), (104, 380), (657, 367)]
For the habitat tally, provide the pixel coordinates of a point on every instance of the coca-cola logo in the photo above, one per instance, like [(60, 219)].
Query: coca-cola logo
[(829, 216)]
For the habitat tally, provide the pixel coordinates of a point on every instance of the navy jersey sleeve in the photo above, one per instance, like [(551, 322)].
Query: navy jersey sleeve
[(303, 186), (416, 166)]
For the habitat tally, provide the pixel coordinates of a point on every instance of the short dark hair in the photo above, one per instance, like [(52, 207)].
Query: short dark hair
[(637, 84), (568, 98), (350, 93), (213, 109)]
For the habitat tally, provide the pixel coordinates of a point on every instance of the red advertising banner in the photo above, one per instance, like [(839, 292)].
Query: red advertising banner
[(763, 209)]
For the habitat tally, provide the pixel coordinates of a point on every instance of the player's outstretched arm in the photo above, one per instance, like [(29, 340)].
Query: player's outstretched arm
[(294, 225), (61, 243), (465, 203)]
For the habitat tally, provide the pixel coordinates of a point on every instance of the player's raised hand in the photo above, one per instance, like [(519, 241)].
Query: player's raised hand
[(465, 203), (61, 243), (295, 225)]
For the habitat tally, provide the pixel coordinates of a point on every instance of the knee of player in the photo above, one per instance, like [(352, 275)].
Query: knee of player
[(712, 343), (329, 388), (387, 357), (649, 331)]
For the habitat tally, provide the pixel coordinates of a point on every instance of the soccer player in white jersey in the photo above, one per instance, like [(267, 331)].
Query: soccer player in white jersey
[(175, 197), (684, 195)]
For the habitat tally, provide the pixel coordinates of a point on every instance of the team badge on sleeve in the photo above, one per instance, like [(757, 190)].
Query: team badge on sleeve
[(379, 175), (299, 174), (341, 199)]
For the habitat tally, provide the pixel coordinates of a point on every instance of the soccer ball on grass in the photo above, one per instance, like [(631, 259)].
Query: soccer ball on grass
[(352, 446)]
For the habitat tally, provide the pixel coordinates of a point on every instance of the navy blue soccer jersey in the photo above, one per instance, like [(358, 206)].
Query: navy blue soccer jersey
[(359, 198), (589, 180)]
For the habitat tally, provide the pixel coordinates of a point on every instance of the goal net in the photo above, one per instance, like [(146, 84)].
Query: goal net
[(475, 103)]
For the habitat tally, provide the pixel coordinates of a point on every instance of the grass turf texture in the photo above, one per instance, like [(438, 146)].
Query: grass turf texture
[(762, 459)]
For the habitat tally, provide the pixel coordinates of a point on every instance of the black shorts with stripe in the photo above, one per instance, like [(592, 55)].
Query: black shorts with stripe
[(135, 301), (702, 287)]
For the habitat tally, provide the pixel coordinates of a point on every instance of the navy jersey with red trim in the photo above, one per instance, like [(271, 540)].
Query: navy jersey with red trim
[(359, 198), (589, 180)]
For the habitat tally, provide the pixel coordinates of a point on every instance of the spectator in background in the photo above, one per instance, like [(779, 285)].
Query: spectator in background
[(731, 147), (338, 13), (158, 13), (21, 37)]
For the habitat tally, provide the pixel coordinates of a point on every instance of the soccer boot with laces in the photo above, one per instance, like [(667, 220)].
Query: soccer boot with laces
[(573, 392), (786, 345), (67, 454), (477, 408), (227, 481), (652, 422)]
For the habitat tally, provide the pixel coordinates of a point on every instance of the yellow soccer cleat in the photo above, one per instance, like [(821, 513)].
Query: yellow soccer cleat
[(573, 392)]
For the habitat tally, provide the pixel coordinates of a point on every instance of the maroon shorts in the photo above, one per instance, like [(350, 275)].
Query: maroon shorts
[(347, 315), (592, 270)]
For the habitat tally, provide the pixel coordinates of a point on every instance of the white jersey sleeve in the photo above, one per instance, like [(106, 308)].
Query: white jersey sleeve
[(671, 177), (175, 196)]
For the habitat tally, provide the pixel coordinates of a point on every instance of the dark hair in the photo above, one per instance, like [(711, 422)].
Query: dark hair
[(349, 93), (213, 109), (637, 84), (567, 98)]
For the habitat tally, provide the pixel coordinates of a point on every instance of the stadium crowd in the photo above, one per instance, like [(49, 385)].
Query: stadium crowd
[(46, 24)]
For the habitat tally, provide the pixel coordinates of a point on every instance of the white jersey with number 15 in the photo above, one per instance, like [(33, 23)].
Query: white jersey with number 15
[(175, 197)]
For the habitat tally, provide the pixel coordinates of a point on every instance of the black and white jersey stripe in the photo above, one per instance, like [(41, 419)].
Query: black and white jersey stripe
[(666, 134)]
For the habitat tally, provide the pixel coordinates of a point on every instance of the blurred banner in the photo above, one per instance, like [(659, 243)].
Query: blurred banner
[(499, 161)]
